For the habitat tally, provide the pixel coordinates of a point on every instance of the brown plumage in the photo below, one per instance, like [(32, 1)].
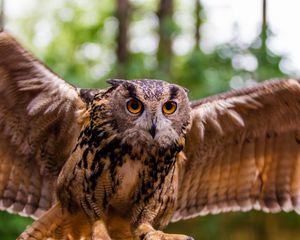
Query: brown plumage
[(114, 163)]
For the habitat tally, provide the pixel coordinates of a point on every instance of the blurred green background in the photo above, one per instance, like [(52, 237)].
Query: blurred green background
[(87, 42)]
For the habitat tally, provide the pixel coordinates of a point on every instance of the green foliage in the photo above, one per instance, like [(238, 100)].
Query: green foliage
[(241, 226), (12, 225)]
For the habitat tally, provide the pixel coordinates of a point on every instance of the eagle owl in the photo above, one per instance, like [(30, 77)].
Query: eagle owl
[(121, 162)]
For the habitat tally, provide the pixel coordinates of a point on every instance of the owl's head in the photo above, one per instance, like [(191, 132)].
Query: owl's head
[(150, 112)]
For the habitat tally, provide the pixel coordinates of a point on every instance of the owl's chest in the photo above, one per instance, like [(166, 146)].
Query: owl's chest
[(127, 180)]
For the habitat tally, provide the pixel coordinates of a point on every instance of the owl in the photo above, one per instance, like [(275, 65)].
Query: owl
[(123, 162)]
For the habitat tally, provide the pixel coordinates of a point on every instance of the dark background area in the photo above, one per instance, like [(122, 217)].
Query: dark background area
[(87, 42)]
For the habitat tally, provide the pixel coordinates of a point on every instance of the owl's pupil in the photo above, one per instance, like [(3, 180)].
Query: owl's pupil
[(169, 106), (135, 105)]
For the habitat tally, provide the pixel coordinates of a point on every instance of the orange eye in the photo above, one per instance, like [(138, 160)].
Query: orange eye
[(134, 106), (169, 107)]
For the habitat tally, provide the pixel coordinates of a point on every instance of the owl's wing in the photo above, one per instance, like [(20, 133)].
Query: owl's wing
[(243, 152), (39, 126)]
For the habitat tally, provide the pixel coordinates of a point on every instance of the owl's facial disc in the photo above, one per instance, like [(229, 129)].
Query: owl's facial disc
[(150, 112)]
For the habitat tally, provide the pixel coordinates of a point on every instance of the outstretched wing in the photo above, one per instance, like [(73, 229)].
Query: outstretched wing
[(243, 152), (39, 125)]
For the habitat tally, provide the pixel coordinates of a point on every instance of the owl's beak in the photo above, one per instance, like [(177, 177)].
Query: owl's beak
[(152, 130)]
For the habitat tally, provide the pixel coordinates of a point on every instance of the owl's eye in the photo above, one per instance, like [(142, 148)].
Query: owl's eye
[(134, 106), (169, 107)]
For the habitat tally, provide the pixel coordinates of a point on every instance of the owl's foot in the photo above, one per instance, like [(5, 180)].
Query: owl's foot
[(146, 232)]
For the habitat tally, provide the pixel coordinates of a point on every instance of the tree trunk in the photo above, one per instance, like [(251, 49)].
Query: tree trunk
[(164, 54), (264, 27), (1, 15), (198, 10), (122, 38)]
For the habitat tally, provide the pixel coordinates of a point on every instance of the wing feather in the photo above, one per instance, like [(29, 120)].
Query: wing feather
[(39, 125), (243, 152)]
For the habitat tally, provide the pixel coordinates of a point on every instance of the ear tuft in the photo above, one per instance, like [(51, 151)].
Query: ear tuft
[(186, 90), (116, 82), (87, 95)]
